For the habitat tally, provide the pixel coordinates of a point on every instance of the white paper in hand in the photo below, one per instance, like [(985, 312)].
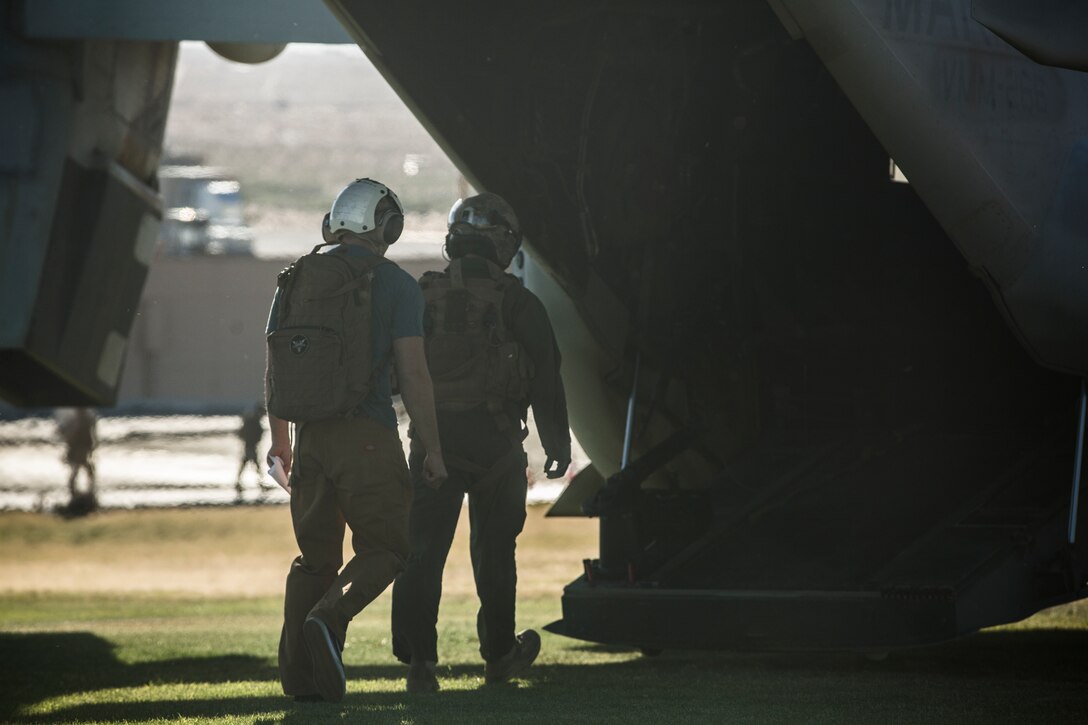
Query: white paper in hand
[(277, 474)]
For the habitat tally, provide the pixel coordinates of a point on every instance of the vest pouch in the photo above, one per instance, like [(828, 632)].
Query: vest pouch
[(449, 357), (509, 371), (306, 377)]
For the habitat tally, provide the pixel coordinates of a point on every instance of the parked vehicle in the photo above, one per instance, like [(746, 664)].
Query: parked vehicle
[(203, 212)]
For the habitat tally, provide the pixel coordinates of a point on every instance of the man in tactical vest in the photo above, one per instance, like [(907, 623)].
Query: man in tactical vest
[(492, 354), (347, 466)]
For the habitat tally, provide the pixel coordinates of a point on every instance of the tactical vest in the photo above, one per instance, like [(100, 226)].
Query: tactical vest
[(471, 356), (319, 357)]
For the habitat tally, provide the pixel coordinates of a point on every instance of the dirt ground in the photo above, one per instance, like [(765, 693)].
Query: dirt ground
[(229, 552)]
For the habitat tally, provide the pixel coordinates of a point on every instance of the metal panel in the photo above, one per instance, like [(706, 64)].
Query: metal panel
[(89, 290), (1053, 32), (985, 137), (235, 21)]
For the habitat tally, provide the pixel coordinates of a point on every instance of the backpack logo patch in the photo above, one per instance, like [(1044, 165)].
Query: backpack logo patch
[(299, 344)]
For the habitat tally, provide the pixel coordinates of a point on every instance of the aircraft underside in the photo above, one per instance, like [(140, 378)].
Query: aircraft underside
[(851, 410), (836, 438)]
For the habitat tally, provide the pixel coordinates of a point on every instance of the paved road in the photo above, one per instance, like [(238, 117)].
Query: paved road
[(148, 461)]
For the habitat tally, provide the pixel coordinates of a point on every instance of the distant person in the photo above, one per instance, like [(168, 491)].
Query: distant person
[(348, 461), (492, 355), (77, 429), (251, 432)]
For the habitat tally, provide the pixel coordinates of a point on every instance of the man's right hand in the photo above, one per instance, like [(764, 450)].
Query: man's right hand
[(281, 441), (283, 451), (434, 470)]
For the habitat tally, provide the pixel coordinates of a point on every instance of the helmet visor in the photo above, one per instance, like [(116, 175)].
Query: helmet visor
[(476, 217)]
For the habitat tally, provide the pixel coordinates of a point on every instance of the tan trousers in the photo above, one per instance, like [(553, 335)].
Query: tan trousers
[(345, 470)]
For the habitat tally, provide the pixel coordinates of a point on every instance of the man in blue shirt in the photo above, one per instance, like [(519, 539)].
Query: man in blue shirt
[(352, 469)]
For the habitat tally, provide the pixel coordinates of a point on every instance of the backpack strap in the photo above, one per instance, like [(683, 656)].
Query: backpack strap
[(489, 476), (284, 281), (496, 273), (455, 372), (369, 265), (457, 275)]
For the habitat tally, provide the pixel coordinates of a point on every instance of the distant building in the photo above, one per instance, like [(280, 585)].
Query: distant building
[(198, 343)]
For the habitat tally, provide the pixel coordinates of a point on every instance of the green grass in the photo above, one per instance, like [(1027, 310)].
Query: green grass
[(175, 655)]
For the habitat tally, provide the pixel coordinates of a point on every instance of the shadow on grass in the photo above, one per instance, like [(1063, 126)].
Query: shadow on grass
[(1017, 676), (39, 666), (604, 649)]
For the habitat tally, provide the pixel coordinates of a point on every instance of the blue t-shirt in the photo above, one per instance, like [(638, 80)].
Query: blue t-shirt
[(397, 312)]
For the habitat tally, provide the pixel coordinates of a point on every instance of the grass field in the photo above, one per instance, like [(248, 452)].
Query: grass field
[(174, 615)]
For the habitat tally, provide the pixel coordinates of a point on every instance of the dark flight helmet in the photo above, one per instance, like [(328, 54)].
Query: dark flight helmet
[(486, 216)]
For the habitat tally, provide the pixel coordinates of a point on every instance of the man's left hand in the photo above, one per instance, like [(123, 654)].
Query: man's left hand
[(556, 467)]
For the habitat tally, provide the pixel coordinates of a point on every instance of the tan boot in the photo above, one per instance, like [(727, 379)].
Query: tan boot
[(329, 675)]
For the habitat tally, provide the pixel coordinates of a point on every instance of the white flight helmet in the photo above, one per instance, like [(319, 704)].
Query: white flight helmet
[(354, 207)]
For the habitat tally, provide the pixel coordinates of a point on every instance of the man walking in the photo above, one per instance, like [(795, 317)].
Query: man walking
[(347, 463), (77, 427), (251, 432), (492, 354)]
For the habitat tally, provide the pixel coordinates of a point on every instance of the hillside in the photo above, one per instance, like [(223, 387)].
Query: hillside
[(296, 128)]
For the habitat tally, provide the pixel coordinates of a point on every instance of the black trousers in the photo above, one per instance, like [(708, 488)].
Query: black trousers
[(496, 516)]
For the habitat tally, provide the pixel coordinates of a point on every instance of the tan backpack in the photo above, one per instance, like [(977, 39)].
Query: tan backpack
[(471, 357), (319, 357)]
